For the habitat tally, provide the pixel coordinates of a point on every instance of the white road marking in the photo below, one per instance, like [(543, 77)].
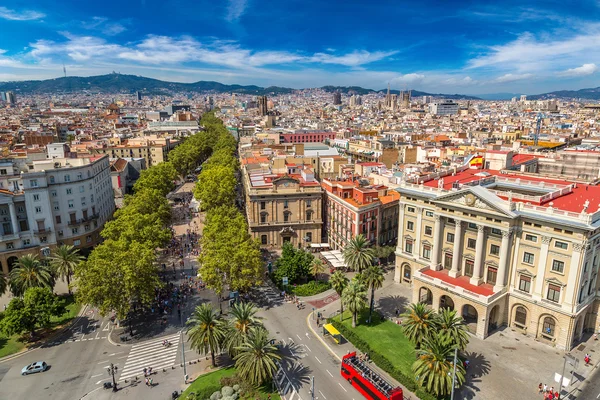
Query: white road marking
[(299, 337), (318, 360), (95, 376), (103, 380), (329, 373), (308, 348), (342, 387), (103, 362), (323, 395), (308, 337)]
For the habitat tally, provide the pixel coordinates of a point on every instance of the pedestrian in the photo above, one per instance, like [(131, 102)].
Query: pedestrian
[(397, 312), (556, 395), (545, 388), (151, 383), (552, 390), (146, 381), (540, 388)]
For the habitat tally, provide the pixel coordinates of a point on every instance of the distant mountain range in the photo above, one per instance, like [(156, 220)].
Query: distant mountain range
[(120, 83)]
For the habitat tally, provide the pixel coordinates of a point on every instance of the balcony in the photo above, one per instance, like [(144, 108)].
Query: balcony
[(42, 231), (74, 222), (483, 293), (91, 217)]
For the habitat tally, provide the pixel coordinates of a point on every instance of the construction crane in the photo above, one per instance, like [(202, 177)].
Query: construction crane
[(538, 127)]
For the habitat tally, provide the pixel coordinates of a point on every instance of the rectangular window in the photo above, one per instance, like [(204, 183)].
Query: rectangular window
[(531, 238), (26, 242), (76, 242), (524, 283), (38, 210), (428, 230), (53, 193), (74, 231), (10, 245), (471, 243), (83, 201), (528, 258), (56, 206), (494, 249), (553, 293), (469, 266), (79, 176), (36, 197), (71, 204), (492, 274), (410, 209), (408, 246), (21, 209), (450, 237), (561, 245), (558, 266), (410, 226), (67, 178), (285, 204), (447, 260), (69, 191), (58, 219), (286, 217), (308, 203), (33, 183), (496, 231), (51, 179), (427, 252), (429, 213), (81, 189), (472, 225)]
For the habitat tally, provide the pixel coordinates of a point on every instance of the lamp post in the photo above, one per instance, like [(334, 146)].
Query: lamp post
[(112, 370)]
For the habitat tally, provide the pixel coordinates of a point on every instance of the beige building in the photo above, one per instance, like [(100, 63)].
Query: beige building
[(504, 250), (153, 149), (283, 207)]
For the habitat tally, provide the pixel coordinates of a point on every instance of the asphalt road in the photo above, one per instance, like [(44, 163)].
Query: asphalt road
[(305, 355)]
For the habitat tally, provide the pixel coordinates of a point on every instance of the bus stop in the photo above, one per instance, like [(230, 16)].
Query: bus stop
[(329, 330)]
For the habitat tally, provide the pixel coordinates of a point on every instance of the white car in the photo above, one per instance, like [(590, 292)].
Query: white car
[(38, 366)]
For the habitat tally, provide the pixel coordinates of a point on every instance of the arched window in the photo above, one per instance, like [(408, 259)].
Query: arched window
[(549, 327), (286, 216), (521, 316)]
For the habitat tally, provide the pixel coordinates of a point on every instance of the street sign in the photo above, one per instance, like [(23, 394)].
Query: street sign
[(285, 280)]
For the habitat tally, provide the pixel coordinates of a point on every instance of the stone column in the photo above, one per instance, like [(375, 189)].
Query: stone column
[(571, 293), (417, 244), (457, 250), (541, 269), (504, 259), (13, 218), (477, 277), (437, 242)]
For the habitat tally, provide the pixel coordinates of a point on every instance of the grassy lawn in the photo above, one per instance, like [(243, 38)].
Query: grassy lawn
[(386, 338), (206, 384), (13, 344)]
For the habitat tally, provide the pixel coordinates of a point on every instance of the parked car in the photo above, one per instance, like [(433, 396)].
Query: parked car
[(38, 366)]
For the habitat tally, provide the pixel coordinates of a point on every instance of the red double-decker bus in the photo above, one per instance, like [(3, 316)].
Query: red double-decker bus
[(367, 381)]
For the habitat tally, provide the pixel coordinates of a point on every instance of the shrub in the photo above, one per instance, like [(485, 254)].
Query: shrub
[(311, 288)]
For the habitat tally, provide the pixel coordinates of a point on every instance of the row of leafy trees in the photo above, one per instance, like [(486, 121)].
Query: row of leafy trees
[(230, 257), (122, 270), (242, 336)]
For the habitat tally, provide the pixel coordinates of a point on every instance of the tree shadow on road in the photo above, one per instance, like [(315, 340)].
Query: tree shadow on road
[(297, 373), (389, 304), (478, 367)]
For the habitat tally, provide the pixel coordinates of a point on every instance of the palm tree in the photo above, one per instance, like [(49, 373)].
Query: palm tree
[(242, 319), (317, 267), (339, 282), (3, 284), (29, 272), (357, 253), (419, 322), (373, 278), (63, 261), (355, 298), (206, 330), (434, 366), (256, 359), (453, 326)]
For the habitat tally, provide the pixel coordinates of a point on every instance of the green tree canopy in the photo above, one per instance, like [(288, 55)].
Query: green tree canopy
[(63, 261), (339, 282), (160, 177), (29, 272), (242, 318), (116, 274), (357, 253), (34, 310), (142, 228), (373, 278), (206, 330), (256, 358), (418, 323), (354, 298), (452, 325), (216, 186), (293, 263)]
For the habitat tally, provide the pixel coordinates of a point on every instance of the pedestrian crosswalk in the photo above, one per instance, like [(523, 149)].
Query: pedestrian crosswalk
[(151, 354)]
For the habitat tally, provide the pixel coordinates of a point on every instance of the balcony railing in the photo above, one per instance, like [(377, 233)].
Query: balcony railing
[(42, 231), (75, 222)]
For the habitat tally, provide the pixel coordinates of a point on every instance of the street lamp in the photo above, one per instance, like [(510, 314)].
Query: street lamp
[(112, 370)]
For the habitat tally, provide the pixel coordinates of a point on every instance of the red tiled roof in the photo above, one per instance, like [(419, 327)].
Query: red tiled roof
[(521, 158), (462, 281)]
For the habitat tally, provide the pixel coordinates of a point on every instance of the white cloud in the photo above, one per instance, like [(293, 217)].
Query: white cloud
[(584, 70), (354, 59), (512, 78), (105, 26), (411, 78), (235, 9), (23, 15)]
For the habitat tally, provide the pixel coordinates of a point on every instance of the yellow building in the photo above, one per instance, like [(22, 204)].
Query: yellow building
[(504, 250)]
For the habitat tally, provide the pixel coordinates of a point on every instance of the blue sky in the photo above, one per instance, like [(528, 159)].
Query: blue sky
[(437, 46)]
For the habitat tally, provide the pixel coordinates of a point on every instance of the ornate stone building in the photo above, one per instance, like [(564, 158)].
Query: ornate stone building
[(504, 250)]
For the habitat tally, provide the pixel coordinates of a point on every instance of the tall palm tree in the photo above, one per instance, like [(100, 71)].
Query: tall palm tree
[(29, 272), (355, 298), (339, 282), (453, 326), (3, 284), (419, 322), (434, 366), (373, 279), (357, 253), (206, 330), (242, 319), (317, 267), (63, 261), (256, 358)]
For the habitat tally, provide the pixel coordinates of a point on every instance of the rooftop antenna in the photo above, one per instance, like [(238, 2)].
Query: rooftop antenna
[(65, 70)]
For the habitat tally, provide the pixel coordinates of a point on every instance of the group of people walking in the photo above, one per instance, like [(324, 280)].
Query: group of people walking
[(549, 393)]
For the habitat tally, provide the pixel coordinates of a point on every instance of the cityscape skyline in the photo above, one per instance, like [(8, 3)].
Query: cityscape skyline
[(471, 49)]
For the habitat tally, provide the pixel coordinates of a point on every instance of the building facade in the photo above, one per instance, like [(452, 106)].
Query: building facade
[(57, 201), (504, 250), (283, 208)]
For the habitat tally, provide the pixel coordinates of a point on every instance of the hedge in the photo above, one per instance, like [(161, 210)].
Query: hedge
[(311, 288), (381, 361)]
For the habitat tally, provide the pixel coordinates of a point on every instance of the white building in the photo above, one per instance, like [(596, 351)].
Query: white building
[(444, 108), (56, 201)]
